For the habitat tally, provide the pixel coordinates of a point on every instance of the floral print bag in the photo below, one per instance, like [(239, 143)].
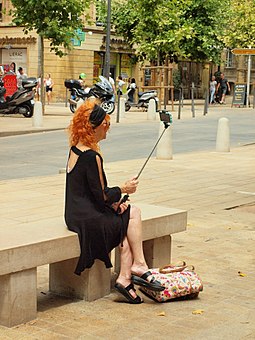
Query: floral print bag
[(180, 281)]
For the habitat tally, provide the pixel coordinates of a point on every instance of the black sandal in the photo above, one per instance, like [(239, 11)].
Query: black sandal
[(125, 292), (152, 284)]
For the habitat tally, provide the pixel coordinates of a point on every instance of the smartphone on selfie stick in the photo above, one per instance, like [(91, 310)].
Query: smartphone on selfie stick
[(167, 119)]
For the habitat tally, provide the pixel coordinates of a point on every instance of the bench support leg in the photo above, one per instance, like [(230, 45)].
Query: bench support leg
[(157, 252), (93, 283), (18, 297)]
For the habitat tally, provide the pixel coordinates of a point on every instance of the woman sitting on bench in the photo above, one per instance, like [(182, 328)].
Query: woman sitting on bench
[(94, 210)]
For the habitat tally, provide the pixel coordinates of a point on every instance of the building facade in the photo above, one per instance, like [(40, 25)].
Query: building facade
[(235, 68), (87, 55)]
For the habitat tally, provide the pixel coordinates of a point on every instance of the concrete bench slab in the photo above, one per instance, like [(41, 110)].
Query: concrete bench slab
[(24, 247)]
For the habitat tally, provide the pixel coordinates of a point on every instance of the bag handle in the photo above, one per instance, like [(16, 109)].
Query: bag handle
[(171, 268)]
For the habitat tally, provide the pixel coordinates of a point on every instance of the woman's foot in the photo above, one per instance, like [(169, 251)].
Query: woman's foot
[(148, 281), (141, 276), (125, 282), (129, 293)]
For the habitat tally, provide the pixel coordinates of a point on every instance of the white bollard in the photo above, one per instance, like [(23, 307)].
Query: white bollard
[(164, 148), (37, 116), (122, 107), (223, 136), (79, 103), (151, 113)]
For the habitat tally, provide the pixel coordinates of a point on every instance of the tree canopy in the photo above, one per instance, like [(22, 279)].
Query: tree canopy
[(53, 20), (179, 28), (240, 31)]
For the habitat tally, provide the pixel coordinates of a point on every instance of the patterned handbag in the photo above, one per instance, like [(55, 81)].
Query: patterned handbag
[(180, 281)]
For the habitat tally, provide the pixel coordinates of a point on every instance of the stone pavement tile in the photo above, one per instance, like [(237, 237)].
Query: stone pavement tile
[(230, 330), (218, 242)]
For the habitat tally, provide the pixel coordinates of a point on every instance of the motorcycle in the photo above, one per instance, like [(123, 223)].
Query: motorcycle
[(143, 99), (101, 90), (22, 101), (76, 93)]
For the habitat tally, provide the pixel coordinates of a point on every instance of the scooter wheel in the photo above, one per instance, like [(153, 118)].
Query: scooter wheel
[(26, 110), (127, 107), (108, 107)]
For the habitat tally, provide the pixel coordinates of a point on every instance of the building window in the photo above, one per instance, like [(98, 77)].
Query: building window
[(101, 12), (1, 11), (229, 58)]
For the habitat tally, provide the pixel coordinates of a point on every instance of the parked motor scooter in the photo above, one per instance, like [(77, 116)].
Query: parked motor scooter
[(22, 101), (143, 99), (101, 90), (76, 93)]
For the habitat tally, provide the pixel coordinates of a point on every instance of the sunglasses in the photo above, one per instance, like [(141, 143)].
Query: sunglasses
[(106, 124)]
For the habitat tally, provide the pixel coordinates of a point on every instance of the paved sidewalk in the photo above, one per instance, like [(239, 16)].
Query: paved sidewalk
[(217, 189)]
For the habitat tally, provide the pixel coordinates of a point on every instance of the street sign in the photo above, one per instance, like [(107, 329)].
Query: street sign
[(10, 83), (239, 97), (243, 51)]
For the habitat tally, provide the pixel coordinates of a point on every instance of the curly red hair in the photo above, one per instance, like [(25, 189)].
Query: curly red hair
[(81, 129)]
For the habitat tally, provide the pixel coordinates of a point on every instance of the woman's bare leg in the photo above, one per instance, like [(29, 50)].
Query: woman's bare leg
[(134, 236), (48, 96), (126, 260)]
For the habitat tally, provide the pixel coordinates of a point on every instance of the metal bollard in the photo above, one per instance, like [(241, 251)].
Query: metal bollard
[(180, 104), (206, 102), (192, 100)]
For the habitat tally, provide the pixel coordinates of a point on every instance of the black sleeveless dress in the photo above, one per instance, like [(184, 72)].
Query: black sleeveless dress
[(99, 227)]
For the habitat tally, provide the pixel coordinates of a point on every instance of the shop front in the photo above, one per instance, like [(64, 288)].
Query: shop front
[(86, 57)]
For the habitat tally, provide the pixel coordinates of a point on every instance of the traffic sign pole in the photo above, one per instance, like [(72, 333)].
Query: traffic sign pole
[(248, 80)]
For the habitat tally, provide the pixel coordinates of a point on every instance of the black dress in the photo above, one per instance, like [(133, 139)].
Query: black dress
[(99, 227)]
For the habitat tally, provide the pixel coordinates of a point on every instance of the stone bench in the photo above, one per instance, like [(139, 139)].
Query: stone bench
[(25, 247)]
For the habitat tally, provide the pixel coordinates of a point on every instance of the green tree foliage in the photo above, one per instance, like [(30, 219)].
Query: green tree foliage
[(51, 19), (177, 28), (240, 31)]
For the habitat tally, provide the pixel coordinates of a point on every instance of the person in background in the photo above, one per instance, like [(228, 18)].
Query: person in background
[(95, 211), (120, 83), (213, 84), (82, 77), (131, 90), (12, 68), (112, 82), (223, 86), (81, 80), (48, 82), (20, 77)]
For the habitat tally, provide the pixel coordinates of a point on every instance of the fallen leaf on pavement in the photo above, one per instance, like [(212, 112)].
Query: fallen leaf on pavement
[(32, 322), (198, 311), (242, 274), (162, 314)]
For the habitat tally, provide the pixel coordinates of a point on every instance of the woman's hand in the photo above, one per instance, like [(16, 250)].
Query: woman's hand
[(120, 207), (130, 186)]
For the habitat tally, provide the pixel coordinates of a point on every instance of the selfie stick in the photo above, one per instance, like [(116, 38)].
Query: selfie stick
[(167, 120)]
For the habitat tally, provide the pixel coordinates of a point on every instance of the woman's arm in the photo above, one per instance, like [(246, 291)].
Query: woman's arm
[(112, 195)]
